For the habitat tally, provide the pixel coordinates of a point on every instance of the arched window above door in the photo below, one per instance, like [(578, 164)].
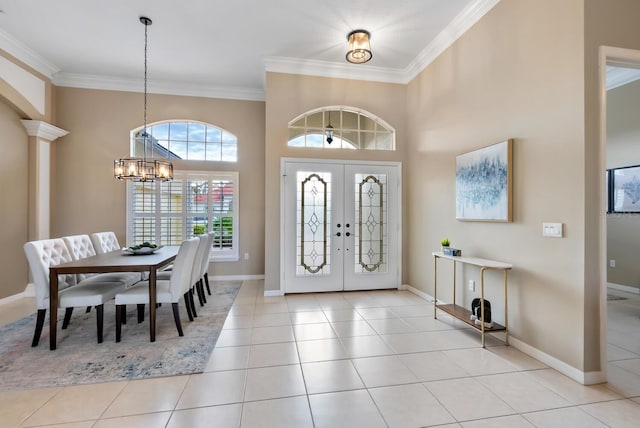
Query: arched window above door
[(351, 128)]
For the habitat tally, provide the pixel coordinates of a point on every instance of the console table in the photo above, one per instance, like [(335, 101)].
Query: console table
[(462, 313)]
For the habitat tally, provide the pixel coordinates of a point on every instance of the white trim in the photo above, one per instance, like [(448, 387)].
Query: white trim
[(29, 291), (585, 378), (456, 28), (88, 81), (23, 53), (273, 293), (235, 277), (626, 288), (43, 130)]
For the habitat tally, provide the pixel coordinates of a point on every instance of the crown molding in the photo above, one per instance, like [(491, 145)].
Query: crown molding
[(458, 26), (617, 76), (44, 130), (22, 52), (88, 81), (334, 70)]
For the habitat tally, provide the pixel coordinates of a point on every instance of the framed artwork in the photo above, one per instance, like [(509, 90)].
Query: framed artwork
[(625, 189), (484, 183)]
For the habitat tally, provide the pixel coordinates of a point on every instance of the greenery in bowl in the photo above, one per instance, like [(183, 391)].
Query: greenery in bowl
[(143, 245), (445, 242)]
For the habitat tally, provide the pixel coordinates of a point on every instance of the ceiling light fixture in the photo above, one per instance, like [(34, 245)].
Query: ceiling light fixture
[(137, 169), (328, 130), (359, 47)]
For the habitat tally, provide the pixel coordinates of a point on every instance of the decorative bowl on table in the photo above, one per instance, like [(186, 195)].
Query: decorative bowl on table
[(144, 248)]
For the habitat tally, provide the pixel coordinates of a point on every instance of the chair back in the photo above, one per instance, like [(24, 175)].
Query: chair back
[(197, 262), (80, 247), (183, 268), (105, 242), (41, 255), (204, 267)]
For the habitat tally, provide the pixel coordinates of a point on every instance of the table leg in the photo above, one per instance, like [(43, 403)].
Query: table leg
[(482, 304), (435, 287), (53, 309), (152, 305)]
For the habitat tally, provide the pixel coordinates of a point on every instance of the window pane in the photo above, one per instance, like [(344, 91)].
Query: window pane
[(315, 140), (214, 135), (222, 196), (171, 230), (197, 226), (198, 196), (214, 151), (316, 120), (228, 138), (179, 148), (160, 131), (349, 120), (229, 152), (144, 230), (178, 131), (223, 232), (196, 131), (144, 197), (196, 151)]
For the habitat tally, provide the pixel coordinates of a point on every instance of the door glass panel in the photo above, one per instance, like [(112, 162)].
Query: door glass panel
[(313, 206), (371, 228)]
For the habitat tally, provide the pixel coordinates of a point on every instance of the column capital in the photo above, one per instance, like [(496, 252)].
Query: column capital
[(44, 130)]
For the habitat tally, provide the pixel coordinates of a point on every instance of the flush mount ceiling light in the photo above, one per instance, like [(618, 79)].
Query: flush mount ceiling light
[(359, 47), (137, 169)]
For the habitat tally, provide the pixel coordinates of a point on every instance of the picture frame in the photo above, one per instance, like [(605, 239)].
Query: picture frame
[(625, 189), (484, 183)]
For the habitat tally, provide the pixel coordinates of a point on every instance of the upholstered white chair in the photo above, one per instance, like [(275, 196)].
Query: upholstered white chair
[(71, 293), (105, 242), (205, 262), (81, 246), (167, 291)]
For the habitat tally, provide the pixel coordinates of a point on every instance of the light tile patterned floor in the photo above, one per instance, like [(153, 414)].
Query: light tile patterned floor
[(356, 359)]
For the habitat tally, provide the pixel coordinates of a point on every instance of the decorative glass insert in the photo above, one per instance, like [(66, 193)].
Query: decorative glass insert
[(352, 128), (187, 140), (371, 231), (313, 203)]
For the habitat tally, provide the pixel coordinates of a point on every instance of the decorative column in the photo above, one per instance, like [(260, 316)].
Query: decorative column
[(41, 135)]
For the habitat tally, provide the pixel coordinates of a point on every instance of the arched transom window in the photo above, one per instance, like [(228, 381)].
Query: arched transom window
[(188, 140), (347, 127)]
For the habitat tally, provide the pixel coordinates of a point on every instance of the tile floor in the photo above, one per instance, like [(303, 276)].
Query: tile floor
[(355, 359)]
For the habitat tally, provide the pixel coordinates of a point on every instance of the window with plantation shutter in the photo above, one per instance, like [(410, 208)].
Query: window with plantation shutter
[(194, 203)]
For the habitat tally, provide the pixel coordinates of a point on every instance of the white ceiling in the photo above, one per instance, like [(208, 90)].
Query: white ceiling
[(223, 48)]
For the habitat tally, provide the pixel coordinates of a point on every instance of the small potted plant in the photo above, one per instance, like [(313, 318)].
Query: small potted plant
[(445, 243)]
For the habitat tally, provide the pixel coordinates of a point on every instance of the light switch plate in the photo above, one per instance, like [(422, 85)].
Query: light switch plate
[(552, 230)]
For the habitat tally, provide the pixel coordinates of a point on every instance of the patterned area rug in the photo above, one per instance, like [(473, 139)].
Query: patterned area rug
[(80, 359)]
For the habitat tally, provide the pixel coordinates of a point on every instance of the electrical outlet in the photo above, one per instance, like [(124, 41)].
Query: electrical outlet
[(246, 256), (612, 263), (472, 285)]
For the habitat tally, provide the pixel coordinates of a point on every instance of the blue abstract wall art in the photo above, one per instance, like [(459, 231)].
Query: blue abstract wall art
[(483, 183), (626, 189)]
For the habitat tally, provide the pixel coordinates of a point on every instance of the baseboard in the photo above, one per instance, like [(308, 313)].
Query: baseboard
[(585, 378), (633, 290), (235, 277), (29, 291), (273, 293)]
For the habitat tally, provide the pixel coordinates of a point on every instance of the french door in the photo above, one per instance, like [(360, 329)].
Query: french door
[(341, 226)]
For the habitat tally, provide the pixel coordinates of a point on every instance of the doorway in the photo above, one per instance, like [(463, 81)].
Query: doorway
[(341, 225)]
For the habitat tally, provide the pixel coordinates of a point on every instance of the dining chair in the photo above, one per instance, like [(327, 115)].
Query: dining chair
[(205, 262), (72, 293), (105, 242), (167, 291)]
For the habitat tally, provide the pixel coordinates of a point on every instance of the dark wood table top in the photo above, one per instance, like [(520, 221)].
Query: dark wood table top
[(118, 261)]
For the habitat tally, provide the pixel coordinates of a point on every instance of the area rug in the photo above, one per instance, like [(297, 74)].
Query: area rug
[(79, 359), (614, 297)]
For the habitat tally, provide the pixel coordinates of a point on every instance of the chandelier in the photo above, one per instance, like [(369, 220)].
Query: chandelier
[(140, 169)]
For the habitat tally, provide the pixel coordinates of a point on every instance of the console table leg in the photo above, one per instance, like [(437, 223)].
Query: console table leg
[(506, 312), (435, 287)]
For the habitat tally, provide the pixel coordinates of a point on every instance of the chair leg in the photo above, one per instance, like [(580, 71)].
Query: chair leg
[(140, 312), (193, 305), (201, 285), (199, 292), (39, 324), (206, 281), (188, 305), (176, 317), (67, 317), (88, 310), (118, 322), (100, 320)]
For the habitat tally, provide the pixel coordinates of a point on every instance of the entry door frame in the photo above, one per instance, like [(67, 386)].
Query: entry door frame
[(342, 162)]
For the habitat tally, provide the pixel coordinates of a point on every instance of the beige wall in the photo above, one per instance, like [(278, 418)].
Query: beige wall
[(515, 74), (288, 96), (14, 227), (86, 198), (623, 230)]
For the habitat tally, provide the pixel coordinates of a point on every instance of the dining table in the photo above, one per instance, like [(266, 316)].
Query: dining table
[(114, 261)]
